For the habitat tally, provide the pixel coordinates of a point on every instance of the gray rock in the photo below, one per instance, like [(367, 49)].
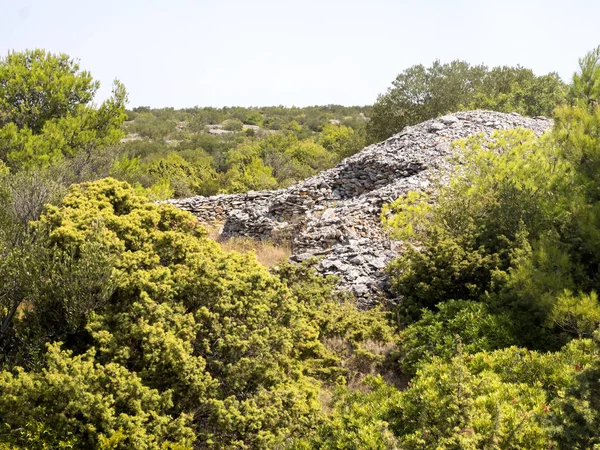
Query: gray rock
[(335, 215), (435, 127), (449, 120), (358, 260), (378, 263)]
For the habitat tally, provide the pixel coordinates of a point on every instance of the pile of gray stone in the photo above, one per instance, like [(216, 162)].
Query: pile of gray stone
[(335, 215)]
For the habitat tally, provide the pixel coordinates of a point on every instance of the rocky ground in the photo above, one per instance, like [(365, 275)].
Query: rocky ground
[(335, 215)]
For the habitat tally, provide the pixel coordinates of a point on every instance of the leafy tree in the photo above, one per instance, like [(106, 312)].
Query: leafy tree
[(150, 126), (45, 111), (586, 82), (39, 86), (233, 125), (341, 140), (577, 314), (180, 174), (467, 242), (254, 176), (421, 93), (254, 118), (520, 90), (576, 132)]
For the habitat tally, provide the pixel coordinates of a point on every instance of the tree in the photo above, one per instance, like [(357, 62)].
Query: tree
[(577, 314), (503, 196), (254, 118), (233, 125), (254, 176), (421, 93), (341, 140), (586, 82), (46, 112), (518, 89)]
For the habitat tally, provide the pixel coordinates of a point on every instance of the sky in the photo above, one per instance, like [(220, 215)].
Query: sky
[(185, 53)]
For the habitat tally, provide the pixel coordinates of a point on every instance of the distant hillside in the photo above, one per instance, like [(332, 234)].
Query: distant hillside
[(179, 153)]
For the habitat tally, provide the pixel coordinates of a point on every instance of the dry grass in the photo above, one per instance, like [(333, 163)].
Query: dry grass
[(267, 253), (214, 230)]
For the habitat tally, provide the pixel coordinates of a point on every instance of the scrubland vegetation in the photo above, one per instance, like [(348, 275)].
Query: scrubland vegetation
[(205, 151), (124, 326)]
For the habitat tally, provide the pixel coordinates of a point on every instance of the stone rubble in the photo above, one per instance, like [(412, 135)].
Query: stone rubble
[(335, 215)]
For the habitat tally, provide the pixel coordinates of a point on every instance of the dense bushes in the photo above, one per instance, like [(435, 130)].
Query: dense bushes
[(211, 339), (290, 144), (123, 326), (504, 254)]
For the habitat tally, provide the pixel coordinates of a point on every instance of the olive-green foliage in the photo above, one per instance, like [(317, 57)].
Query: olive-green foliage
[(150, 126), (277, 160), (504, 193), (342, 140), (216, 317), (290, 145), (358, 421), (448, 406), (585, 89), (515, 229), (123, 326), (254, 118), (187, 177), (75, 402), (234, 125), (39, 86), (234, 353), (434, 334), (576, 132), (517, 89), (421, 93), (578, 315), (575, 414), (251, 176), (515, 233), (45, 111), (501, 399), (511, 398), (49, 292), (357, 342)]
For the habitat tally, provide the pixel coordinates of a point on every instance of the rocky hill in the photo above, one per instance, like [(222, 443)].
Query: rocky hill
[(335, 215)]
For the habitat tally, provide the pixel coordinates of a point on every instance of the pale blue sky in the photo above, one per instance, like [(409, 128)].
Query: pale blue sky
[(266, 52)]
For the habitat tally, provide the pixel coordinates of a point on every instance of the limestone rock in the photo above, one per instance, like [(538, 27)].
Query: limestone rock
[(335, 215)]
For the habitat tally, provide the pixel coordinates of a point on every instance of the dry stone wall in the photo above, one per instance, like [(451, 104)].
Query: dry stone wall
[(335, 215)]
